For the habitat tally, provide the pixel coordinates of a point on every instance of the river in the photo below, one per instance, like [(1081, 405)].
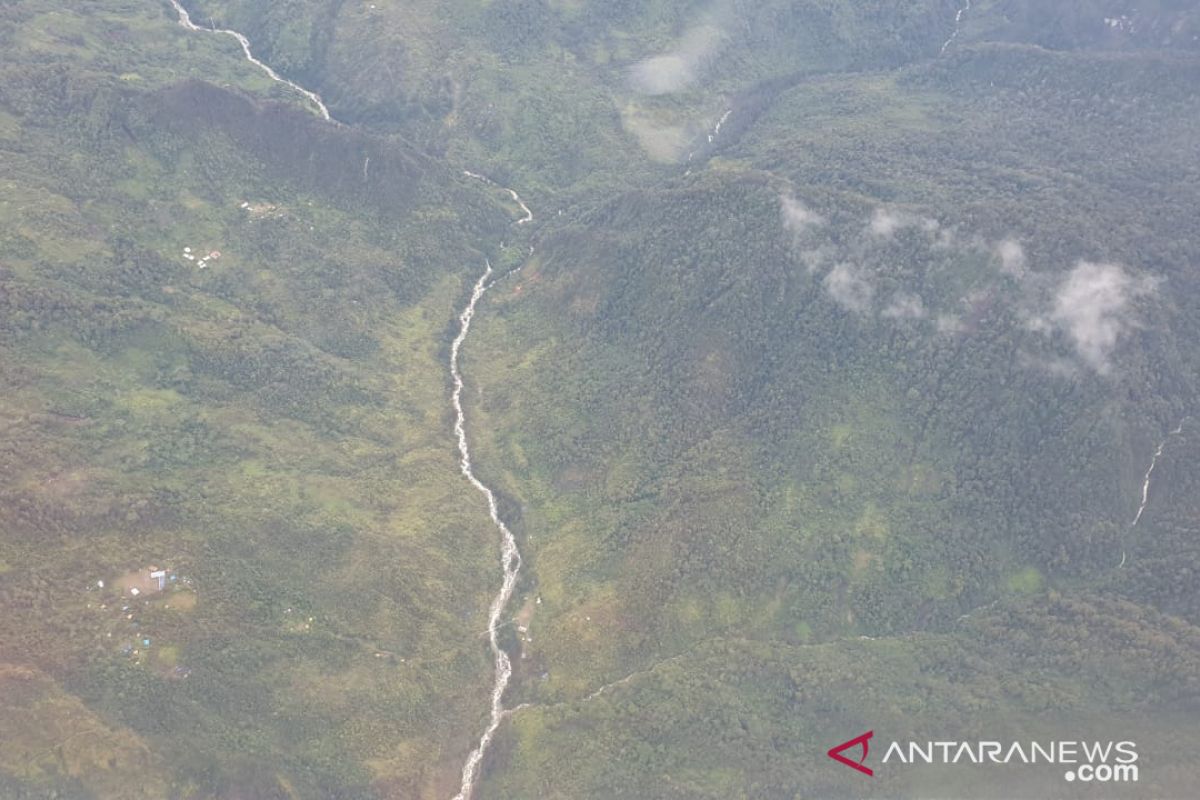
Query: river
[(1150, 472), (510, 556), (185, 19), (1146, 482), (957, 25)]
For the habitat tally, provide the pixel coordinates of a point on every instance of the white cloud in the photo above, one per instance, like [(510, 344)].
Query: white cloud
[(1036, 323), (905, 305), (662, 74), (849, 289), (797, 217), (801, 221), (1093, 307), (885, 223), (676, 70), (1012, 257)]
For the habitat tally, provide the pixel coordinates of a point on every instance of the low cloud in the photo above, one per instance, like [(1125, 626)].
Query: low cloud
[(801, 221), (885, 223), (849, 289), (662, 74), (1074, 323), (905, 305), (1012, 257), (1093, 307), (679, 68), (797, 217)]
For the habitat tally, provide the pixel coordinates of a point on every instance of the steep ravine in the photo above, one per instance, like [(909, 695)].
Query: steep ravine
[(185, 20), (510, 556)]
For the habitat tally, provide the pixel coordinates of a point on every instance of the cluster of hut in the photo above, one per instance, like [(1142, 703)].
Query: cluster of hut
[(201, 261)]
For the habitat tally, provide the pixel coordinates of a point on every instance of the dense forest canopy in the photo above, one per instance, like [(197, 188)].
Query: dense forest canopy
[(844, 378)]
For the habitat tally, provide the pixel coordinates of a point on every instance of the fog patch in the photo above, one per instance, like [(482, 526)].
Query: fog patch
[(849, 289), (885, 223), (1093, 307), (816, 257), (1066, 325), (661, 75), (679, 68), (905, 305), (1012, 257), (797, 217)]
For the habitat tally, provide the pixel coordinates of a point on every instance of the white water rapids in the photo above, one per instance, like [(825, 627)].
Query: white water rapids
[(1149, 472), (185, 19), (957, 21), (510, 556), (1158, 451), (717, 130), (527, 214)]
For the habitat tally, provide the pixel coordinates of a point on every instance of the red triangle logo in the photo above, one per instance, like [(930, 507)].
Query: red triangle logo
[(836, 752)]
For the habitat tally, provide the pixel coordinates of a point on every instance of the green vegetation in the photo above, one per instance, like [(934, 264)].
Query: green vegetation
[(800, 426), (539, 91), (272, 425), (748, 465)]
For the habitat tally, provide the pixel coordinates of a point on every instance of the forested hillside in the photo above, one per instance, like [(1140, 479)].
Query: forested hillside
[(903, 350), (222, 336), (848, 381)]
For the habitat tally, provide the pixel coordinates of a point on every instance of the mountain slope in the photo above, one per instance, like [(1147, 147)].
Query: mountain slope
[(267, 423), (903, 350), (847, 383)]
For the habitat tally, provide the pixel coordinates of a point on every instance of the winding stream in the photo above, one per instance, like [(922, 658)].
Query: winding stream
[(957, 22), (1149, 472), (1158, 451), (510, 556), (185, 19), (717, 130), (527, 215)]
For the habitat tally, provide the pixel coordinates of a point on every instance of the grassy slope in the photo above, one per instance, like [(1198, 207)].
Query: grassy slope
[(274, 427)]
